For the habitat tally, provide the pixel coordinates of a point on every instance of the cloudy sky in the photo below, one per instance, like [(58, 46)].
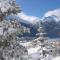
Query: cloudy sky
[(38, 7)]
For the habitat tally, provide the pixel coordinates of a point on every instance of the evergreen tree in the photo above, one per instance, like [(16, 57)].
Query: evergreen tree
[(10, 49), (46, 49)]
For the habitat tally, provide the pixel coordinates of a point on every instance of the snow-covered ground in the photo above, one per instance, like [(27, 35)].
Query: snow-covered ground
[(33, 53), (33, 50), (56, 58)]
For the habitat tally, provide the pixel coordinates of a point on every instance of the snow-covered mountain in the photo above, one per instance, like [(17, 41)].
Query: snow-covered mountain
[(31, 19), (51, 18), (28, 21), (52, 26)]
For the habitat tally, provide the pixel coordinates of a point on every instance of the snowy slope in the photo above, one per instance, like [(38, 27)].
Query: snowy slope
[(33, 53), (56, 58)]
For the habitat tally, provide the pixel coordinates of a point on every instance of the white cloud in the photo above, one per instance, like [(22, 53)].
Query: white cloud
[(31, 19), (53, 12)]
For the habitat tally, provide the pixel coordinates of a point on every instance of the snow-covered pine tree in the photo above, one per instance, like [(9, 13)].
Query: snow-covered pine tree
[(8, 7), (46, 49), (10, 49)]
